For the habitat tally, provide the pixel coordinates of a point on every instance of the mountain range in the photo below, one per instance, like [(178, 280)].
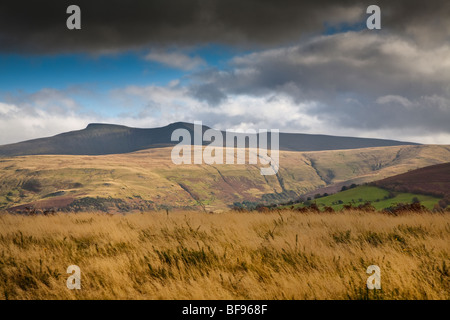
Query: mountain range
[(116, 168), (103, 139)]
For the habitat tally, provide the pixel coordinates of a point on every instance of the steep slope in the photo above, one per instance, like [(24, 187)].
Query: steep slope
[(101, 139)]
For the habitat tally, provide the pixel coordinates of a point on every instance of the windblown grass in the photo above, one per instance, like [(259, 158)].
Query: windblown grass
[(232, 255)]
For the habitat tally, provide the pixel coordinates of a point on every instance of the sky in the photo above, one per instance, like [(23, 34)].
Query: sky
[(296, 66)]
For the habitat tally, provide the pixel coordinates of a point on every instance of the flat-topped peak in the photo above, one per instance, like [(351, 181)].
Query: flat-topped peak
[(105, 138), (102, 125)]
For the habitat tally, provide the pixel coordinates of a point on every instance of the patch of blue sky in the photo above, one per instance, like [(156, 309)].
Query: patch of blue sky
[(33, 73)]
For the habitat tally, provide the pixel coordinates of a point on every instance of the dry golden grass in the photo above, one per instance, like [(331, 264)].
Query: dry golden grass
[(191, 255)]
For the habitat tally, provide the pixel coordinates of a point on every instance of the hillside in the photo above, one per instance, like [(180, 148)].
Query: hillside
[(149, 180), (429, 185), (432, 180), (102, 139)]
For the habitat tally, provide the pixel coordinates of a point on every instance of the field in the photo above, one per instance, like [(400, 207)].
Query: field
[(230, 255), (378, 197)]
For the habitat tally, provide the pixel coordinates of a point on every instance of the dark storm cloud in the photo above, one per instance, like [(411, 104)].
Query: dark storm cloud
[(356, 79), (107, 26), (362, 62)]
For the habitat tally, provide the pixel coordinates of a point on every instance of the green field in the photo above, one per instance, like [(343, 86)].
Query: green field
[(379, 198)]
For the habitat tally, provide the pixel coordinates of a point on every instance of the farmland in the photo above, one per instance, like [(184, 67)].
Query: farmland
[(378, 197)]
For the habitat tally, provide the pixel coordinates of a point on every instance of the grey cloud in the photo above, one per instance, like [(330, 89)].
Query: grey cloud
[(34, 27), (351, 62), (358, 80), (208, 92), (423, 115)]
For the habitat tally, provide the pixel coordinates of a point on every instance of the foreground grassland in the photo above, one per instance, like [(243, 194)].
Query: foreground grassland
[(232, 255)]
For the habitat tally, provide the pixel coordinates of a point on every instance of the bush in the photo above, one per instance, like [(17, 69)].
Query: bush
[(443, 203), (389, 196), (367, 207), (32, 185), (405, 207), (314, 207)]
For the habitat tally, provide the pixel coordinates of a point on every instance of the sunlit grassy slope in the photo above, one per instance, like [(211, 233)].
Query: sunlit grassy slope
[(149, 180), (192, 255)]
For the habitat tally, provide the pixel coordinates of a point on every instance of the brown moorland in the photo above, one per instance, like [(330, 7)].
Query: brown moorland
[(148, 180), (433, 180)]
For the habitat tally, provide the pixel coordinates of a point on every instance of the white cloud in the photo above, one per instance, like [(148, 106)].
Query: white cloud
[(6, 109), (176, 60), (21, 125), (43, 113), (393, 99), (238, 111)]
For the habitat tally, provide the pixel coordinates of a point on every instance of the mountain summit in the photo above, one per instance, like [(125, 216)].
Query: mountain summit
[(100, 139)]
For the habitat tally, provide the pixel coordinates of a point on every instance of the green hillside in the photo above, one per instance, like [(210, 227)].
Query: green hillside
[(379, 198)]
